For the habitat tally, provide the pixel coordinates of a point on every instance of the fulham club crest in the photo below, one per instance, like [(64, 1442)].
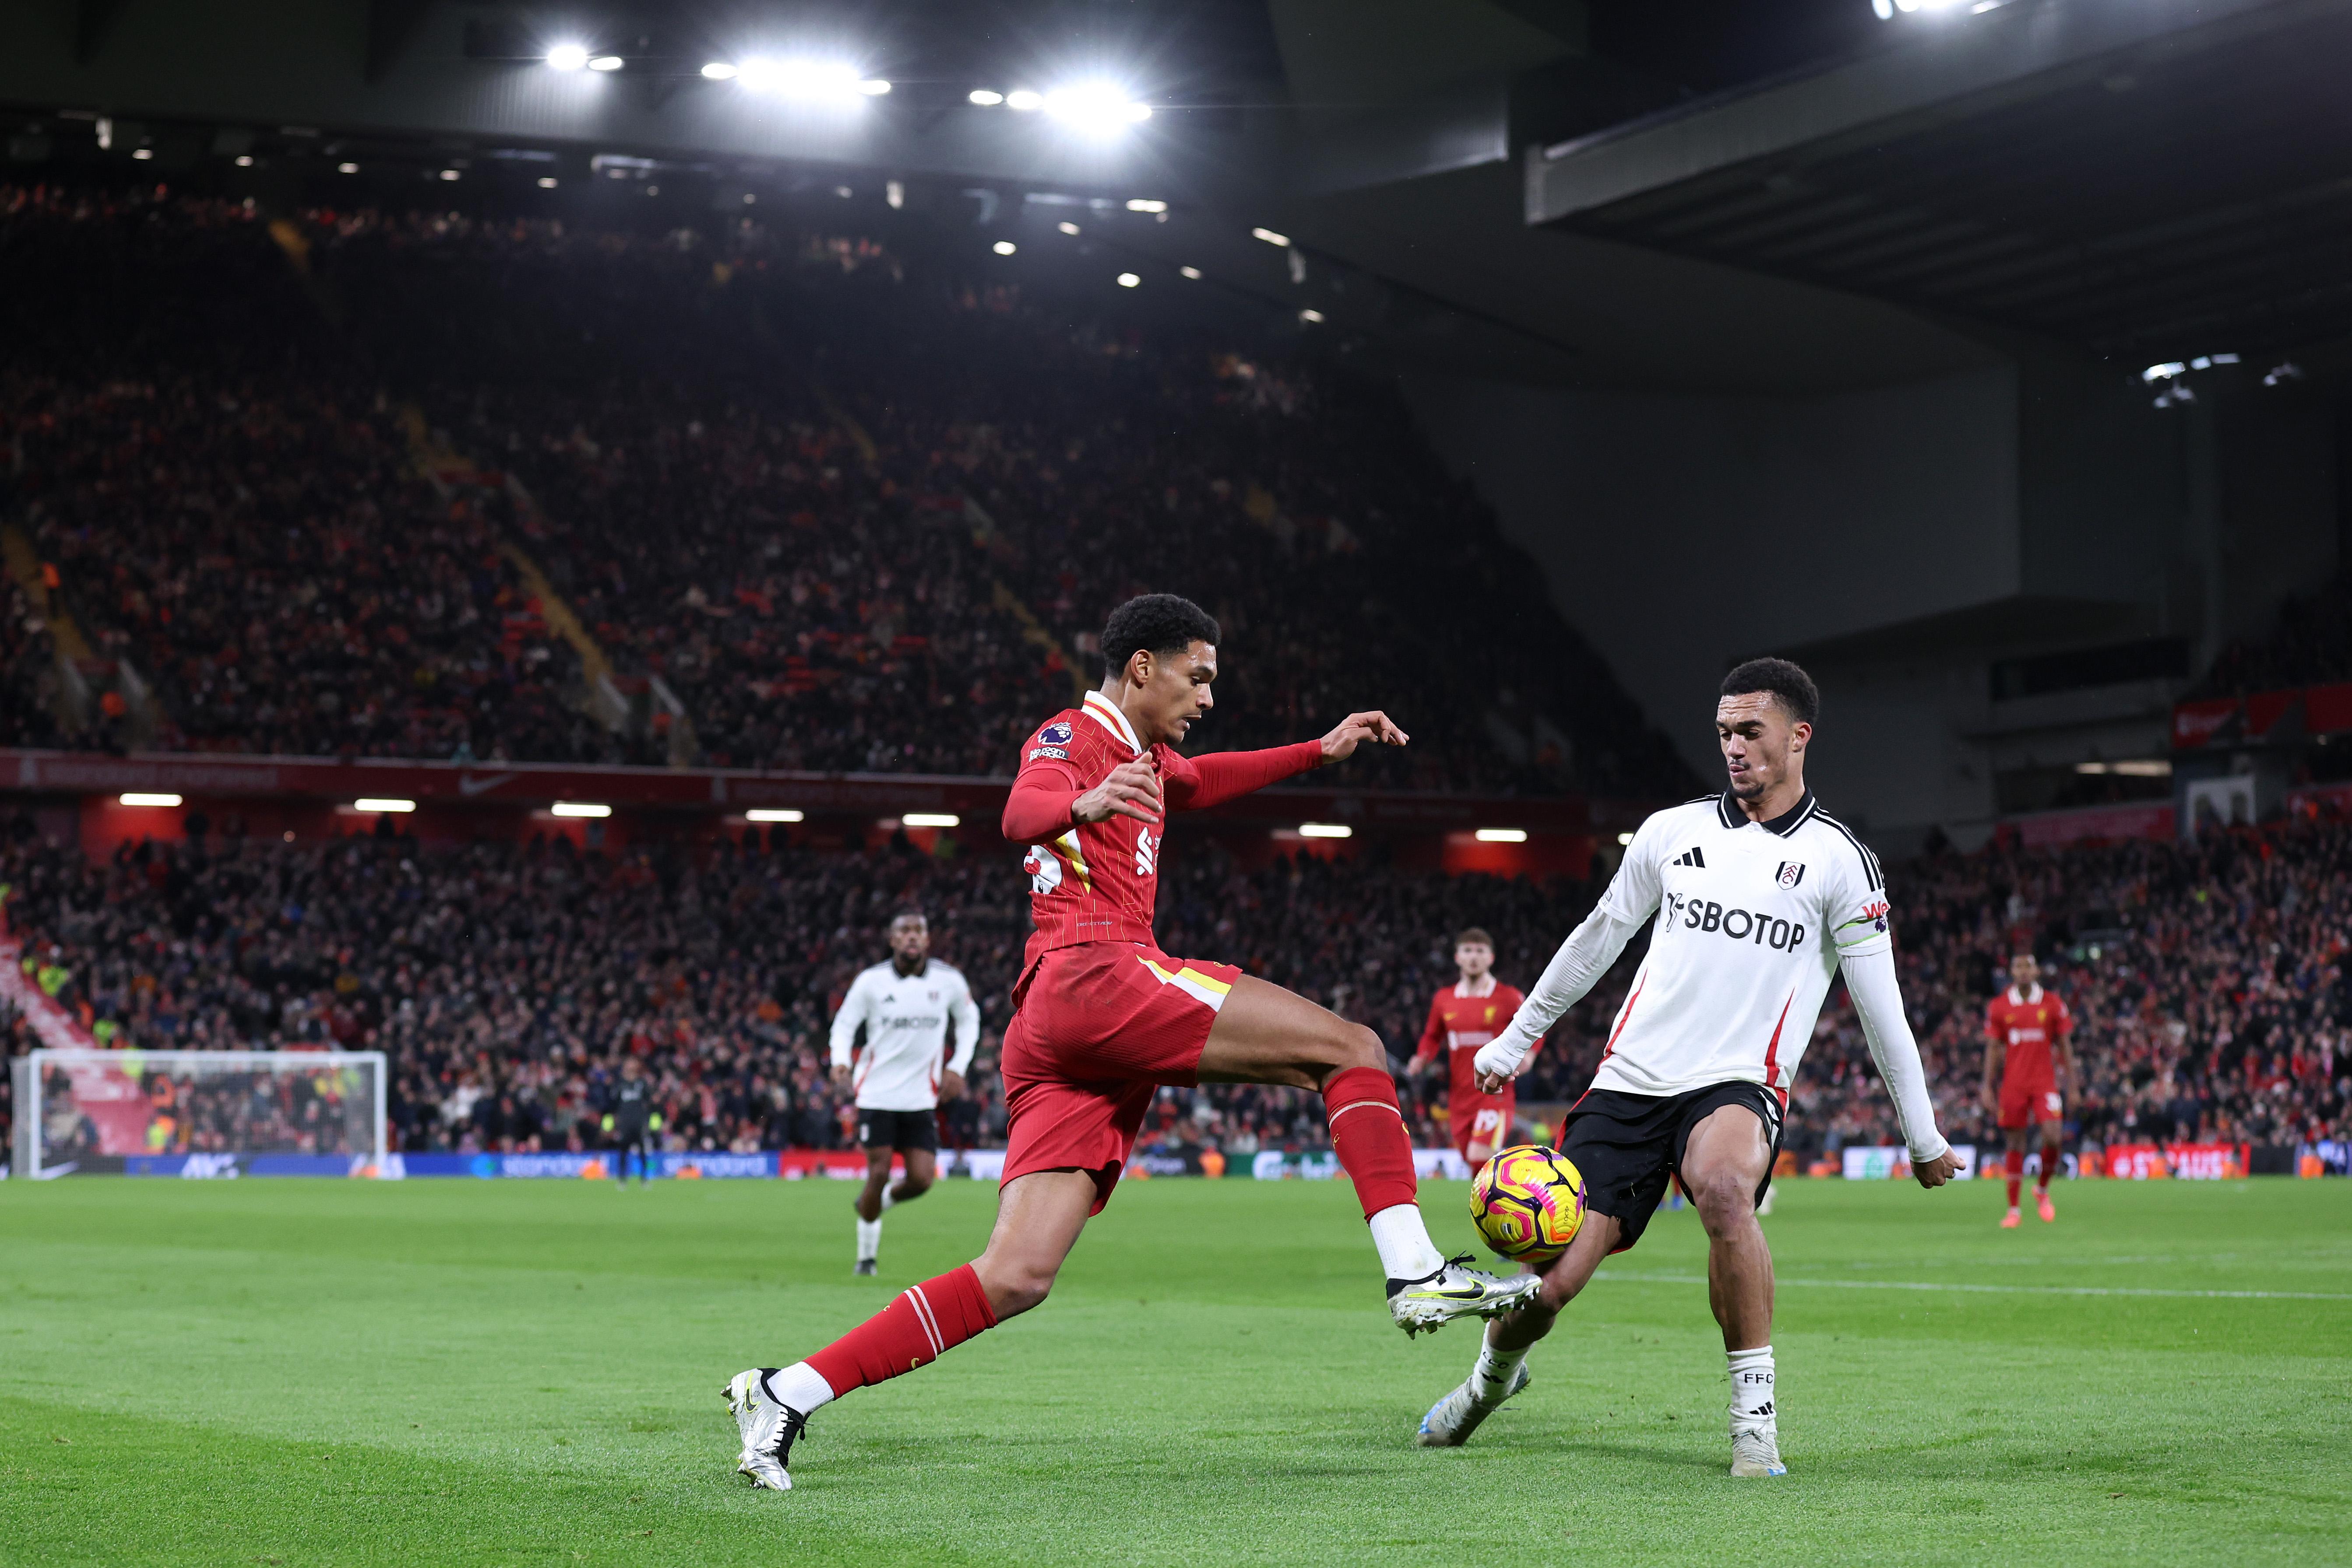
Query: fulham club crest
[(1791, 873)]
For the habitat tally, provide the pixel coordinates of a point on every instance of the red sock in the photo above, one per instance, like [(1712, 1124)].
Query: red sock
[(1368, 1134), (2016, 1173), (917, 1326), (2049, 1167)]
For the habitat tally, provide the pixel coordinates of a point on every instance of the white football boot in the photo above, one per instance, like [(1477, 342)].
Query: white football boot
[(1451, 1420), (1455, 1290), (1756, 1451), (768, 1428)]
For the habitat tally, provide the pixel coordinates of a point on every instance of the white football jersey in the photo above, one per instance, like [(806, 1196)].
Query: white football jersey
[(905, 1020), (1752, 920)]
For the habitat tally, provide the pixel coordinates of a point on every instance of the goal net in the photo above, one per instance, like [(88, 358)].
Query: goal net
[(199, 1113)]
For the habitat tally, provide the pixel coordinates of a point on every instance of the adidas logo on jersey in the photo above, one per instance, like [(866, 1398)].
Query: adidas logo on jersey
[(1691, 856)]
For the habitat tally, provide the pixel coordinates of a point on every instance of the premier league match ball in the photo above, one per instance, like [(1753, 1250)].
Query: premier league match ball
[(1527, 1202)]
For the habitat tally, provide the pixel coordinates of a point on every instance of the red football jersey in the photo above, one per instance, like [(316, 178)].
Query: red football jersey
[(1459, 1024), (2029, 1028)]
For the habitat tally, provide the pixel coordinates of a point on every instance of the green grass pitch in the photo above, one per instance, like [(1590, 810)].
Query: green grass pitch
[(288, 1372)]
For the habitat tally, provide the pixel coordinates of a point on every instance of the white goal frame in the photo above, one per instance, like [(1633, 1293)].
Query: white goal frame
[(29, 1073)]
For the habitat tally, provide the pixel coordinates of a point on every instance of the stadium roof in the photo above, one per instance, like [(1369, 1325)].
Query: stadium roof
[(2148, 181)]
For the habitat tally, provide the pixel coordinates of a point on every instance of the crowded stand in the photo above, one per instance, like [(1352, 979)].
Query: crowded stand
[(504, 982), (848, 510)]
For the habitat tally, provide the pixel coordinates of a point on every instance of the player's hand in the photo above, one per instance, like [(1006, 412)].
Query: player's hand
[(1495, 1067), (1131, 790), (1358, 727), (841, 1077), (950, 1087), (1934, 1173), (1991, 1099)]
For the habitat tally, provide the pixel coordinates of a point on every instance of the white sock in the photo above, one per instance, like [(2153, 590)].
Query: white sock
[(799, 1388), (869, 1239), (1751, 1388), (1406, 1251), (1492, 1376), (889, 1195)]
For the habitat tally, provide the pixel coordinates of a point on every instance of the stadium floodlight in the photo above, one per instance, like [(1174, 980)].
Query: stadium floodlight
[(1026, 101), (567, 57), (810, 80), (605, 63), (873, 87), (580, 808), (146, 797), (1004, 247), (1096, 107), (451, 174), (1191, 272), (1326, 830), (1129, 281), (1624, 841), (774, 814), (2157, 372), (347, 168), (1268, 236), (547, 182), (1311, 316), (245, 160), (1502, 836), (1067, 226), (1146, 204), (719, 70), (932, 819), (987, 97), (143, 154), (372, 804)]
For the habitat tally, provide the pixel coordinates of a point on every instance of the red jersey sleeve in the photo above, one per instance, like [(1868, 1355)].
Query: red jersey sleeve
[(1196, 783), (1433, 1034), (1039, 806), (1995, 1030), (2063, 1025)]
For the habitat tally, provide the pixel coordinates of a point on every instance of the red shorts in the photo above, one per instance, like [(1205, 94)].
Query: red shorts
[(1480, 1118), (1098, 1028), (2027, 1100)]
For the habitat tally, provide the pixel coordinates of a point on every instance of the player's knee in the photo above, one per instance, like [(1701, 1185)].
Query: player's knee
[(913, 1187), (1359, 1047), (1017, 1288), (1724, 1200)]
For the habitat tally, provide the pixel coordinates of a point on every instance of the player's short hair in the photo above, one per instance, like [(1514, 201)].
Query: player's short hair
[(1473, 933), (1790, 686), (910, 915), (1155, 623)]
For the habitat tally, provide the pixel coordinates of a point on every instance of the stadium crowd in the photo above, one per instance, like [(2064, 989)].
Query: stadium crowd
[(850, 509), (506, 981)]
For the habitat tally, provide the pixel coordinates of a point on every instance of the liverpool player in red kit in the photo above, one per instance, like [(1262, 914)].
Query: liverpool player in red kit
[(2026, 1031), (1102, 1017), (1462, 1017)]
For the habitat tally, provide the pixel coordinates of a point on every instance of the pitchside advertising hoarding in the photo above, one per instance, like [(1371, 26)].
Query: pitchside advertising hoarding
[(2129, 1162)]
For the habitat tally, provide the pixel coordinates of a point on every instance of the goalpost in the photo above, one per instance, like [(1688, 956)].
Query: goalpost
[(199, 1113)]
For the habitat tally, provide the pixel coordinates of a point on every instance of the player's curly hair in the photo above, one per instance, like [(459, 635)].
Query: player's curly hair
[(1793, 688), (1157, 624)]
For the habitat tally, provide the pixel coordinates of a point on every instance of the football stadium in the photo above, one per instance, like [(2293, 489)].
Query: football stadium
[(1730, 625)]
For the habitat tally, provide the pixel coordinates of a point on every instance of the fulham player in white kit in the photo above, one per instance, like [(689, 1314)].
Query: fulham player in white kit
[(905, 1006), (1758, 900)]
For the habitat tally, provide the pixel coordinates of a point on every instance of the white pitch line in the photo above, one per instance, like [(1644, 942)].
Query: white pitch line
[(1996, 1290)]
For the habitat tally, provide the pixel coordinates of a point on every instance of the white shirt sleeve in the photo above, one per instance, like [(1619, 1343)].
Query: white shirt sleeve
[(966, 1014), (1632, 899), (1878, 1002), (845, 1022)]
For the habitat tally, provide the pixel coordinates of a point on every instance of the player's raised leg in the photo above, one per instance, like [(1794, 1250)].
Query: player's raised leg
[(1501, 1369), (1039, 1218), (1267, 1035), (1725, 1161)]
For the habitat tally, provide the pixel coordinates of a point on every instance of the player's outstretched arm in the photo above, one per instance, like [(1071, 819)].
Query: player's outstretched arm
[(1358, 727), (1573, 971), (1878, 1002)]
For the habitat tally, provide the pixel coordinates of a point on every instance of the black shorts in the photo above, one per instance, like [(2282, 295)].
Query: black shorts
[(1626, 1144), (898, 1129)]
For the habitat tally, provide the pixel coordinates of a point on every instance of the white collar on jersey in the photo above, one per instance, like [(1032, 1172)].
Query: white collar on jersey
[(2019, 999), (1462, 996), (1105, 712), (1727, 811)]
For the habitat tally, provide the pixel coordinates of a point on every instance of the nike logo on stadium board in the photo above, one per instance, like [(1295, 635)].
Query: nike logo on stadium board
[(469, 784)]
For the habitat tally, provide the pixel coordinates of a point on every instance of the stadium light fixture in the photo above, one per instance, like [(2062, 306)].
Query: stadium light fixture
[(245, 160), (1024, 100), (1624, 841), (1326, 830), (399, 808), (1191, 272), (1312, 318), (2157, 372), (873, 87), (1004, 247), (567, 57), (1067, 226), (347, 168), (143, 154), (774, 814), (142, 797), (987, 97), (547, 182), (1502, 836), (810, 80), (1095, 107), (605, 63), (1271, 237), (450, 174), (1130, 280), (932, 819), (719, 70), (1146, 204), (580, 808)]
